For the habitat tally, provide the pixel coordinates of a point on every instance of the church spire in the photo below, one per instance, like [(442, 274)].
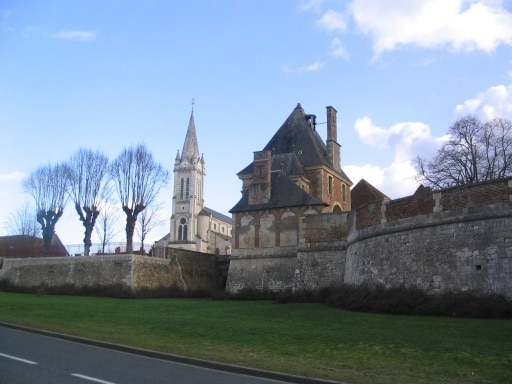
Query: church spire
[(190, 147)]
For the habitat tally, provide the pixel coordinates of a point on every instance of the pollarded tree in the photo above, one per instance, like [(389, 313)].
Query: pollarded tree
[(137, 179), (49, 186), (474, 152), (88, 171)]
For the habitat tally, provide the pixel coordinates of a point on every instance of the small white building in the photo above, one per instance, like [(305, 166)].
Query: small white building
[(193, 226)]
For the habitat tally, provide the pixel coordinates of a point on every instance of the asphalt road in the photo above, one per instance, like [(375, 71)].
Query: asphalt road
[(34, 358)]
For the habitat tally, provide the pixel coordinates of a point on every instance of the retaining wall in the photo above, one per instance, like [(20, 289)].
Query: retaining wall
[(190, 271), (458, 239)]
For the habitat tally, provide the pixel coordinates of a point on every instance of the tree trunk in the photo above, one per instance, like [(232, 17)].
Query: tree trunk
[(130, 229), (131, 220), (48, 220), (88, 220)]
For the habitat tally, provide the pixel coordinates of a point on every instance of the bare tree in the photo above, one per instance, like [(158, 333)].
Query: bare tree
[(87, 177), (148, 220), (49, 186), (106, 224), (138, 179), (23, 222), (475, 152), (496, 143)]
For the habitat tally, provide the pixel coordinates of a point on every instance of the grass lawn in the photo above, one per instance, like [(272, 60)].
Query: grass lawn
[(302, 339)]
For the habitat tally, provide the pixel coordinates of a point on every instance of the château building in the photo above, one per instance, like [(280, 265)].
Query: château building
[(296, 175)]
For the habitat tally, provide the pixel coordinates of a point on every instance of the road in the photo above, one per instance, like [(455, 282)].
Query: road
[(31, 358)]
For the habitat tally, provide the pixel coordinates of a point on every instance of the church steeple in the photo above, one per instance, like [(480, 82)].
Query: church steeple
[(190, 147), (189, 173)]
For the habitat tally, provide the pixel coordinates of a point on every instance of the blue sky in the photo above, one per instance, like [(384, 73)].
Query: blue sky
[(109, 74)]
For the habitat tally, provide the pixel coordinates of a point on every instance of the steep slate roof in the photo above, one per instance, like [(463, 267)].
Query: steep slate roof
[(297, 136), (295, 146), (364, 193), (190, 146), (284, 194)]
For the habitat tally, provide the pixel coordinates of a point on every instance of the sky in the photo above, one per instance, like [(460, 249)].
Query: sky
[(109, 74)]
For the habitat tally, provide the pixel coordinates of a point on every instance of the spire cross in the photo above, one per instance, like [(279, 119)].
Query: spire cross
[(193, 104)]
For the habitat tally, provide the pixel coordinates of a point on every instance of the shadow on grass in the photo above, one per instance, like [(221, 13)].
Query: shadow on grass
[(360, 298)]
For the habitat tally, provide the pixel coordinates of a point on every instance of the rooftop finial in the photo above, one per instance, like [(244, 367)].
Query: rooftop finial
[(193, 105)]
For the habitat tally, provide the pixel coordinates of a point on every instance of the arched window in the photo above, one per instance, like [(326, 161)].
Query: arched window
[(187, 189), (182, 229), (182, 184)]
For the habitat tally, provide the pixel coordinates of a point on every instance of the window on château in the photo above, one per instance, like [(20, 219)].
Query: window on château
[(330, 185), (344, 192)]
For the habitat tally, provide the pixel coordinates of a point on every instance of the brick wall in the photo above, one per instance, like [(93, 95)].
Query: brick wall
[(451, 199), (325, 227), (409, 207)]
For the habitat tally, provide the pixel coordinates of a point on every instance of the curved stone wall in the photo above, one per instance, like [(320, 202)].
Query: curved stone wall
[(461, 250)]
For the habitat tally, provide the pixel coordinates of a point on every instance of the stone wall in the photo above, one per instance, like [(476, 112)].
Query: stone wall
[(264, 274), (190, 271), (456, 251), (458, 239), (193, 270)]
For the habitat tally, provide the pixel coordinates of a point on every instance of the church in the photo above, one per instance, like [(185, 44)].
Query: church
[(194, 226)]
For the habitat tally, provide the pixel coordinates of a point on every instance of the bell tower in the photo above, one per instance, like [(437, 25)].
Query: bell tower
[(187, 200)]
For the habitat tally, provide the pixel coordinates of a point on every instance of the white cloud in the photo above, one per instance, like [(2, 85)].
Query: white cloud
[(332, 21), (313, 67), (14, 176), (311, 4), (406, 140), (337, 49), (405, 137), (75, 35), (494, 102), (460, 24), (371, 134), (396, 180)]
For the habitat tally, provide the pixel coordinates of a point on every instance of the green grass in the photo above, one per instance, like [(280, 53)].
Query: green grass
[(302, 339)]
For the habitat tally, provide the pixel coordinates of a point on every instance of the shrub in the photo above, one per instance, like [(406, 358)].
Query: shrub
[(414, 301)]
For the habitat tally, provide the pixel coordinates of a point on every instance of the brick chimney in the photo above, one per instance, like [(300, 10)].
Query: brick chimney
[(259, 190), (333, 148)]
